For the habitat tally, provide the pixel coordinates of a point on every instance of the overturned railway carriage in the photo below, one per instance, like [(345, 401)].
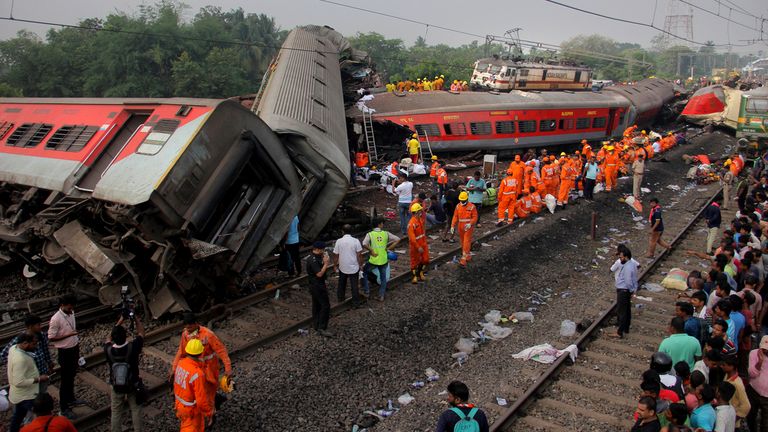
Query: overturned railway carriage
[(302, 101), (165, 196), (468, 121)]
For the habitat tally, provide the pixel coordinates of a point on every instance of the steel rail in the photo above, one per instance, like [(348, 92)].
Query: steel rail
[(517, 409)]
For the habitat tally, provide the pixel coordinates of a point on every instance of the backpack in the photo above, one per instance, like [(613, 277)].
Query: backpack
[(120, 375), (467, 422)]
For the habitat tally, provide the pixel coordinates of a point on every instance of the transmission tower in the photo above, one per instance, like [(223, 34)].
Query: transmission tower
[(678, 22)]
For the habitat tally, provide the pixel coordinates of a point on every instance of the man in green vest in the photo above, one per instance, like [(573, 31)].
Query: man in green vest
[(378, 243)]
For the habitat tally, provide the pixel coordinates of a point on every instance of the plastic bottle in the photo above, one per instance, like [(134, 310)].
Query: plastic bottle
[(417, 384)]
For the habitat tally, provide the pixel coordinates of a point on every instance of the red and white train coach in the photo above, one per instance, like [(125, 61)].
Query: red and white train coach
[(468, 121)]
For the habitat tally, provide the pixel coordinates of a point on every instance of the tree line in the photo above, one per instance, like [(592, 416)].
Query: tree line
[(156, 52)]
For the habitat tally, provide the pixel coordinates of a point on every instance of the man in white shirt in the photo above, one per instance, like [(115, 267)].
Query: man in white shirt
[(625, 274), (726, 414), (62, 333), (347, 259), (404, 192)]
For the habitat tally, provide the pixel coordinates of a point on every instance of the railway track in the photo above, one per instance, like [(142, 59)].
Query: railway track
[(253, 322), (599, 391)]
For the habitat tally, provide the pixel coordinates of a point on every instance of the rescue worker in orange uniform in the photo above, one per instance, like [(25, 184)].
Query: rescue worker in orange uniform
[(535, 178), (628, 132), (568, 175), (518, 172), (548, 177), (214, 351), (527, 172), (464, 220), (507, 193), (524, 205), (194, 407), (417, 241), (433, 171), (586, 149), (611, 167), (442, 181), (536, 202)]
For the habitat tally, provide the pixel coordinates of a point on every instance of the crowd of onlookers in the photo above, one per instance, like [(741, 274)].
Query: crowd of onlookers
[(711, 372)]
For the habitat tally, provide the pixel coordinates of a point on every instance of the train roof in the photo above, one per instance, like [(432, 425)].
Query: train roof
[(524, 64), (388, 104), (112, 101)]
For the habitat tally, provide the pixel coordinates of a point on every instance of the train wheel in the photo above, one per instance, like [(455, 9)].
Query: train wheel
[(35, 281)]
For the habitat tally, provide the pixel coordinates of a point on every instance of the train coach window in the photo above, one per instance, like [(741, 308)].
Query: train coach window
[(757, 106), (526, 126), (599, 122), (455, 128), (566, 123), (29, 134), (505, 127), (160, 134), (428, 129), (582, 123), (524, 72), (547, 125), (71, 138), (480, 128)]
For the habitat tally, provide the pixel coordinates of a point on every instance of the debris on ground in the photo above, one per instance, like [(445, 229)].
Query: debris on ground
[(546, 353)]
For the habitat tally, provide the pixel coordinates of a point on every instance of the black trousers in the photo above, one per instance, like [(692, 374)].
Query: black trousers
[(293, 252), (68, 361), (321, 306), (623, 310), (341, 289), (589, 188)]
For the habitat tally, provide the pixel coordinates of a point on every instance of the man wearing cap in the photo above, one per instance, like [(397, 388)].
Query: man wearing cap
[(757, 390), (518, 172), (548, 177), (417, 241), (413, 148), (464, 219), (194, 407), (214, 350), (611, 167), (318, 264), (568, 175)]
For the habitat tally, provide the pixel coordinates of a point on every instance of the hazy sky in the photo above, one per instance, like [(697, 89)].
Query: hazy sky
[(539, 19)]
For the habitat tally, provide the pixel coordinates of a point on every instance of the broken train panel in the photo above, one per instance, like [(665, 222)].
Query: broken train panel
[(172, 197)]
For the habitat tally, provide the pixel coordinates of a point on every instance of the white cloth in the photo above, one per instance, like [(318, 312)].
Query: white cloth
[(726, 418), (701, 367), (347, 249), (546, 353), (404, 192)]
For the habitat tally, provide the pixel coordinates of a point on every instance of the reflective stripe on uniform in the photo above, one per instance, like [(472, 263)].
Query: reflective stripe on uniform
[(419, 236), (208, 357), (194, 377), (185, 403), (465, 220)]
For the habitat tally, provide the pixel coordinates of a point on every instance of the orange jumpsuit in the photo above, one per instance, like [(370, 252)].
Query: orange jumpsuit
[(630, 130), (527, 172), (518, 171), (213, 351), (417, 238), (536, 202), (433, 169), (192, 402), (442, 176), (587, 151), (524, 206), (548, 177), (507, 193), (465, 214), (611, 169), (567, 181), (536, 182)]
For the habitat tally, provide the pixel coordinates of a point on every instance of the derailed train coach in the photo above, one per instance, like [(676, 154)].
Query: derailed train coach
[(174, 198)]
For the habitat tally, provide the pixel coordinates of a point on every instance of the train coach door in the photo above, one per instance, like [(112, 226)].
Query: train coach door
[(88, 182)]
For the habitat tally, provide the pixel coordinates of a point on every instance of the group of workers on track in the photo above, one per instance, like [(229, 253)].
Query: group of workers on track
[(529, 184)]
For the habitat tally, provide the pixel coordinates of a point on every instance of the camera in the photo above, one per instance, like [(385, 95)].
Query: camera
[(127, 305)]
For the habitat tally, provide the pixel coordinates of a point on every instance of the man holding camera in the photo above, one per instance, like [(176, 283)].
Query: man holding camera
[(123, 360)]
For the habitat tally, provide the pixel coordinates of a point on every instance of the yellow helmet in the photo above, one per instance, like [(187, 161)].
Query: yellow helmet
[(225, 384), (194, 347), (463, 196), (416, 207), (442, 76), (562, 154), (463, 82), (434, 157), (728, 162), (415, 135), (643, 132), (610, 148)]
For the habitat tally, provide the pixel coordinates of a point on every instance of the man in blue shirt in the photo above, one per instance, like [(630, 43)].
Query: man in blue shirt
[(42, 354), (292, 247), (590, 177), (476, 187), (625, 273), (704, 416), (735, 320)]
